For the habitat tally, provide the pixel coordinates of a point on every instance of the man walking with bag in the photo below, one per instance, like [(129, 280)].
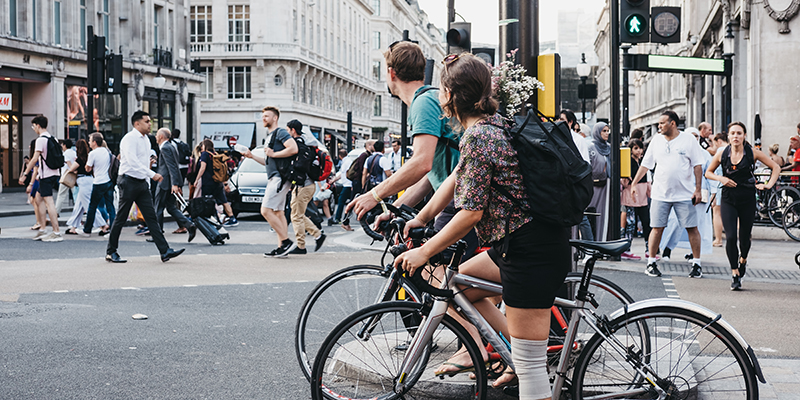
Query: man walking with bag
[(134, 174), (171, 185), (302, 194)]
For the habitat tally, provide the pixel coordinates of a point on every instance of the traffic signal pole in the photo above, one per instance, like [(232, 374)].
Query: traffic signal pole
[(614, 206), (89, 112)]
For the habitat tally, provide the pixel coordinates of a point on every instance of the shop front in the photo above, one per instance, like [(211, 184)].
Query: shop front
[(12, 150)]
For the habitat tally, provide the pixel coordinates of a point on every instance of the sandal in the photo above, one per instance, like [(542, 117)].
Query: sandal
[(508, 382), (70, 232), (36, 227), (460, 369)]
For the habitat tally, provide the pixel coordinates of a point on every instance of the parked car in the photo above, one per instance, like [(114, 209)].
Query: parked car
[(248, 184)]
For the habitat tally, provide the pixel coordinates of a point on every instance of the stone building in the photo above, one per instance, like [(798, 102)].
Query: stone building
[(763, 42), (314, 60), (43, 70)]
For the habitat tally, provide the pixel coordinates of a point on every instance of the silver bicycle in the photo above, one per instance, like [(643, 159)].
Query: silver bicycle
[(659, 348)]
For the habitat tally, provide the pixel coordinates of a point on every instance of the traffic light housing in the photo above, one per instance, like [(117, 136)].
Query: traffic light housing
[(666, 25), (98, 60), (485, 54), (458, 37), (634, 21), (114, 74)]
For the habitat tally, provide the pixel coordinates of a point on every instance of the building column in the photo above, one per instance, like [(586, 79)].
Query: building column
[(58, 110)]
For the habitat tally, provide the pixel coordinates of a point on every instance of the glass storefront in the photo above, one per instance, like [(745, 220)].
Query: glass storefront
[(12, 151)]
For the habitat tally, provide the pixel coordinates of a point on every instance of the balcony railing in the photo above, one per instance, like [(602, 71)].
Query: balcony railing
[(162, 58)]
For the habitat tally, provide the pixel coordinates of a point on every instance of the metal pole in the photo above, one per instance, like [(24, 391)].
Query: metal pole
[(529, 40), (451, 17), (509, 31), (583, 100), (727, 108), (349, 131), (614, 206), (626, 123), (404, 112), (89, 112)]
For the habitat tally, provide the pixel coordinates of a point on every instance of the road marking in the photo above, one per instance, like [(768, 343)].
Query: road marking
[(60, 291), (247, 283), (247, 254), (301, 281), (766, 349), (189, 285), (129, 288), (201, 254)]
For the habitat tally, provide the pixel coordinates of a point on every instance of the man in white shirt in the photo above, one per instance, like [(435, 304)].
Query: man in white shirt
[(98, 163), (63, 190), (48, 180), (677, 159), (134, 174)]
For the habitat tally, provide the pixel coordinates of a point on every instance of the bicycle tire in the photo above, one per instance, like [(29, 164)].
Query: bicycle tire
[(779, 201), (791, 221), (336, 292), (349, 367), (691, 353)]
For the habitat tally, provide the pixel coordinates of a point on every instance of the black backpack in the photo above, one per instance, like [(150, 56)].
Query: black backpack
[(113, 167), (301, 162), (557, 180), (375, 171), (55, 157), (184, 152)]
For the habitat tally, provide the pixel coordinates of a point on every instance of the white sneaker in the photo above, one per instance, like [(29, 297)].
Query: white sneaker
[(53, 237), (39, 235)]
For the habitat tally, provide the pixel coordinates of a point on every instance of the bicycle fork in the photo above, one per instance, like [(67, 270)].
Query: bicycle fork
[(421, 339)]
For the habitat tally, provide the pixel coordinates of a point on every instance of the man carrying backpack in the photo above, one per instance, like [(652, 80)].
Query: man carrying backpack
[(376, 168), (51, 159), (303, 192)]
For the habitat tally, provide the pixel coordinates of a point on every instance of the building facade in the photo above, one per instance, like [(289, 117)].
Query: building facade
[(43, 70), (314, 60), (763, 40)]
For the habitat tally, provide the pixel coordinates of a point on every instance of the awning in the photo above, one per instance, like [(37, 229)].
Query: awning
[(337, 135), (220, 133)]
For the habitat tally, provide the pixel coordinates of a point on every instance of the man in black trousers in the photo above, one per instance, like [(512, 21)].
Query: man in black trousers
[(134, 173), (171, 185)]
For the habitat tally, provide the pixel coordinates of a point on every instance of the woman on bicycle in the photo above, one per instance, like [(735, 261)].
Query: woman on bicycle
[(533, 257), (739, 194)]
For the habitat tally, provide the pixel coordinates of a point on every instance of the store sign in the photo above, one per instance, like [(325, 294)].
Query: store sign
[(5, 101)]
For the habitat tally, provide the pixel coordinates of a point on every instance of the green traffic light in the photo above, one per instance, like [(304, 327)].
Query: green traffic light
[(634, 25)]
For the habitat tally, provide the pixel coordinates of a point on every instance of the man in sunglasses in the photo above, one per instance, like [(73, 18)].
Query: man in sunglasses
[(435, 145)]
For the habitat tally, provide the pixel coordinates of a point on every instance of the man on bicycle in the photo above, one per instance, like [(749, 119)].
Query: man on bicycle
[(435, 145)]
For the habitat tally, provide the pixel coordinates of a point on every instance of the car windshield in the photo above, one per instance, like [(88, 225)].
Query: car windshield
[(250, 165)]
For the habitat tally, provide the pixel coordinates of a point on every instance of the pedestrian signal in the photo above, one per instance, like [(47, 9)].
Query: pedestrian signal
[(634, 21)]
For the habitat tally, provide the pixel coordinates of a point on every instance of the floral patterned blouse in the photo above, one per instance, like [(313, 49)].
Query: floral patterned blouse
[(486, 156)]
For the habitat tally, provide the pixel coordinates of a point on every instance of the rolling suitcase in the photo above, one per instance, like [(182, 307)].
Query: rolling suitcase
[(214, 232)]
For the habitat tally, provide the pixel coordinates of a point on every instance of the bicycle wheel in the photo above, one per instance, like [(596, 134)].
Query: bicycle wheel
[(609, 297), (692, 357), (779, 201), (354, 365), (332, 300), (791, 221)]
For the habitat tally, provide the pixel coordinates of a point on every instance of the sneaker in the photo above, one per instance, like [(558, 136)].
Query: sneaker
[(285, 248), (320, 241), (143, 231), (272, 253), (53, 237), (666, 253), (298, 250), (697, 272), (39, 235), (232, 221), (737, 283), (629, 256), (84, 234), (652, 270), (742, 269)]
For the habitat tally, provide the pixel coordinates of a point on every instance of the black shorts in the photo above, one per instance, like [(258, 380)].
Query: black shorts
[(217, 190), (536, 265), (47, 185)]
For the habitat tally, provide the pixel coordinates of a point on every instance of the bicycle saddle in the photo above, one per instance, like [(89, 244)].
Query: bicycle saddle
[(613, 248)]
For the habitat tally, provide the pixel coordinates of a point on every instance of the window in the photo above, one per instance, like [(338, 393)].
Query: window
[(12, 16), (376, 70), (319, 40), (376, 6), (294, 25), (376, 40), (278, 80), (325, 45), (238, 82), (57, 22), (200, 24), (83, 23), (303, 29), (239, 24), (207, 87), (104, 13), (33, 22), (155, 26), (376, 106), (311, 34)]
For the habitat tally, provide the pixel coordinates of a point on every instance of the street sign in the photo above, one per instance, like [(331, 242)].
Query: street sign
[(681, 65), (5, 101), (232, 141)]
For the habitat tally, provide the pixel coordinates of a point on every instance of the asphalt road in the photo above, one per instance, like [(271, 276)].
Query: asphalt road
[(220, 319)]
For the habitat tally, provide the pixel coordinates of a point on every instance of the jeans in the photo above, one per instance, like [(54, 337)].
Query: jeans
[(103, 192), (586, 229), (344, 196)]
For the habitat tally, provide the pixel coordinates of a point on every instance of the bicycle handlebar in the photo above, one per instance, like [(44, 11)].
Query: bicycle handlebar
[(404, 214)]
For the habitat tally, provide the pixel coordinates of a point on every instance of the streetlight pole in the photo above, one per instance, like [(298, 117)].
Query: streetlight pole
[(159, 81), (727, 109), (584, 70)]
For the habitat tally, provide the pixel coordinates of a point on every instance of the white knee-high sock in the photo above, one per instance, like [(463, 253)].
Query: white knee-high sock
[(530, 362)]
